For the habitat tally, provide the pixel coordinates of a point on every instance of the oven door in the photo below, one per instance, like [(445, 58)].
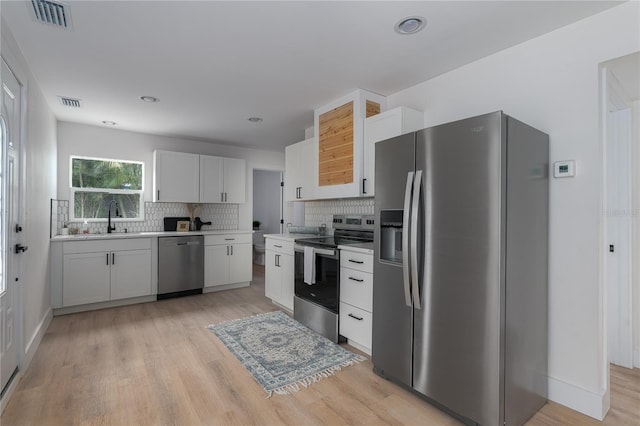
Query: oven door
[(326, 289)]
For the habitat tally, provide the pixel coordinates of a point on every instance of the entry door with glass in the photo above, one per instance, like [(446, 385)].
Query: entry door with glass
[(9, 225)]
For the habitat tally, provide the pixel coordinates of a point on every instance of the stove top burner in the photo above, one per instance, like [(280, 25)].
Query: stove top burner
[(332, 242)]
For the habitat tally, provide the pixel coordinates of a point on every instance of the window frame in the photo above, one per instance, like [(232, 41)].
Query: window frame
[(73, 190)]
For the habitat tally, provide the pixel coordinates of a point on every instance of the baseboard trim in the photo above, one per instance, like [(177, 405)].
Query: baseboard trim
[(35, 340), (12, 387), (104, 305), (636, 357), (593, 404), (225, 287)]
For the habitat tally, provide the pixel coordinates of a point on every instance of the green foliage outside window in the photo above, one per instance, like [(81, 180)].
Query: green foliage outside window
[(96, 183)]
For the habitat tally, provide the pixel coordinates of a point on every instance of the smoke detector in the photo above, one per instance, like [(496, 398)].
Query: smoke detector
[(52, 13)]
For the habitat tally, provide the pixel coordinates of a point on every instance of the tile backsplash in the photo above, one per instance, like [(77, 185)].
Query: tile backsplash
[(318, 212), (222, 217)]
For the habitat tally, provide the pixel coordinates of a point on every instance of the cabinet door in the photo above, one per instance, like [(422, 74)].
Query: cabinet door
[(272, 276), (235, 177), (176, 177), (291, 172), (216, 265), (286, 281), (211, 179), (306, 169), (240, 263), (130, 274), (85, 278)]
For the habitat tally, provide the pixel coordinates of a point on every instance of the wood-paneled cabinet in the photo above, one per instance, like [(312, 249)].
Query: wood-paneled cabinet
[(299, 182), (339, 130), (222, 180), (227, 259), (388, 124)]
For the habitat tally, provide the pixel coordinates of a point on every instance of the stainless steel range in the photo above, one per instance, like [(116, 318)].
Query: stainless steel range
[(317, 273)]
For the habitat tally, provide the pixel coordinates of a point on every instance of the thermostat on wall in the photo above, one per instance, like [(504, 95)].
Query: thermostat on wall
[(564, 169)]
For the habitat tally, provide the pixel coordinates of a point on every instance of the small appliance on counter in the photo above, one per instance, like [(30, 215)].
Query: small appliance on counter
[(171, 223)]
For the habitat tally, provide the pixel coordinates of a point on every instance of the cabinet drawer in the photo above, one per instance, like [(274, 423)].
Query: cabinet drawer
[(355, 324), (356, 288), (359, 261), (284, 247), (227, 239), (93, 246)]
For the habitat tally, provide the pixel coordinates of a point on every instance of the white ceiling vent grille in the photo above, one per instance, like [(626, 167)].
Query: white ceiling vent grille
[(52, 13), (70, 102)]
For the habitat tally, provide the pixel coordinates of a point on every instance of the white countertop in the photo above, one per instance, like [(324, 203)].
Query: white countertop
[(118, 235), (366, 248), (289, 237)]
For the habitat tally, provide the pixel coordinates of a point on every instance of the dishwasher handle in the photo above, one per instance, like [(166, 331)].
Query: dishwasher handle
[(189, 243)]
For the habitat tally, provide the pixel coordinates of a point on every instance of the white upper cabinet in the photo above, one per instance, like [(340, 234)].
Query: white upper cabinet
[(176, 177), (191, 178), (300, 175), (222, 180), (388, 124), (339, 155)]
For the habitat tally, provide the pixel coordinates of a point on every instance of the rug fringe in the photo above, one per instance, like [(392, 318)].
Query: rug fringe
[(314, 378)]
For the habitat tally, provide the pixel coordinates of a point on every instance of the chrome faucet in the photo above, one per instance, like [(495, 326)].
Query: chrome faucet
[(110, 228)]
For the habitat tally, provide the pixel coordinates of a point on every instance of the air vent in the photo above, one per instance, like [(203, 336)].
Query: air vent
[(70, 102), (52, 13)]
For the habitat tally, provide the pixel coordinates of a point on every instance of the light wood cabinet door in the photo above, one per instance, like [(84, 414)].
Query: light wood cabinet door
[(86, 278), (176, 177), (240, 269), (216, 265), (130, 274)]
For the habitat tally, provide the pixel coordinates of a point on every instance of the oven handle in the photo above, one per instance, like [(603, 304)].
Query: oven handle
[(322, 252)]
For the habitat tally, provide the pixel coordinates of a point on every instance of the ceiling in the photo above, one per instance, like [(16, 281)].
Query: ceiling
[(213, 64)]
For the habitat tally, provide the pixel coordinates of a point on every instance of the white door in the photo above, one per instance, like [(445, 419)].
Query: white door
[(211, 179), (240, 269), (130, 274), (619, 218), (235, 180), (10, 224), (287, 281), (176, 177), (216, 265), (272, 276), (87, 278)]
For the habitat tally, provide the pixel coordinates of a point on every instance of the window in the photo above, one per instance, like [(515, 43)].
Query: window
[(98, 184)]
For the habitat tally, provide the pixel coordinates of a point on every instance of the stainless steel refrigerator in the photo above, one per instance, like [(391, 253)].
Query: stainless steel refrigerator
[(460, 271)]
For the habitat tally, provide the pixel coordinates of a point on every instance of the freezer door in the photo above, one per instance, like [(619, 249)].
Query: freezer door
[(457, 356), (392, 319)]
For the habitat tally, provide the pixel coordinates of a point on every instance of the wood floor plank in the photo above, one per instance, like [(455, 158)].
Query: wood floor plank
[(158, 364)]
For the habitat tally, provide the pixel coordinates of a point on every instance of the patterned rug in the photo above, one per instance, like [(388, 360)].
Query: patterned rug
[(281, 353)]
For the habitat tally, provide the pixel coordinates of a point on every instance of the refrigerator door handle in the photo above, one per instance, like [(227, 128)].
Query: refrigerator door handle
[(415, 199), (405, 239)]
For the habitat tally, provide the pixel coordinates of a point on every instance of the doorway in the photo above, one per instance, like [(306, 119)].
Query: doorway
[(620, 112), (268, 209)]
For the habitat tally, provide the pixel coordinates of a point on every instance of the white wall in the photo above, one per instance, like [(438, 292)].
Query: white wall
[(93, 141), (552, 83), (635, 273), (267, 200), (39, 137)]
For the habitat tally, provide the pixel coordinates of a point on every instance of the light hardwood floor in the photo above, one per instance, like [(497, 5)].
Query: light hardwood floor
[(156, 363)]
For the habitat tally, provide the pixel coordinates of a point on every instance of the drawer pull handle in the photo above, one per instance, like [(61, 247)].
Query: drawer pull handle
[(275, 245), (359, 262), (355, 317), (229, 239), (358, 280)]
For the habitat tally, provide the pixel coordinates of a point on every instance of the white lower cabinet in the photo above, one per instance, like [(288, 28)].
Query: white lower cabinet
[(95, 272), (356, 298), (279, 272), (227, 259)]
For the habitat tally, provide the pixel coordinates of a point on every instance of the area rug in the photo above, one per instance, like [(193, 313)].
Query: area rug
[(280, 353)]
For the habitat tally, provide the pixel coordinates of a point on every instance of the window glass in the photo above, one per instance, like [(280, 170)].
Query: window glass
[(98, 185)]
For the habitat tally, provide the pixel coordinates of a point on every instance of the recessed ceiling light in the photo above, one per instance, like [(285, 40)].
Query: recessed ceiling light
[(109, 123), (149, 99), (410, 25), (255, 119)]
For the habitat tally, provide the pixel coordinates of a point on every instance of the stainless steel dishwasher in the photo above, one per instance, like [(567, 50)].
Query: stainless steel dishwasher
[(180, 266)]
